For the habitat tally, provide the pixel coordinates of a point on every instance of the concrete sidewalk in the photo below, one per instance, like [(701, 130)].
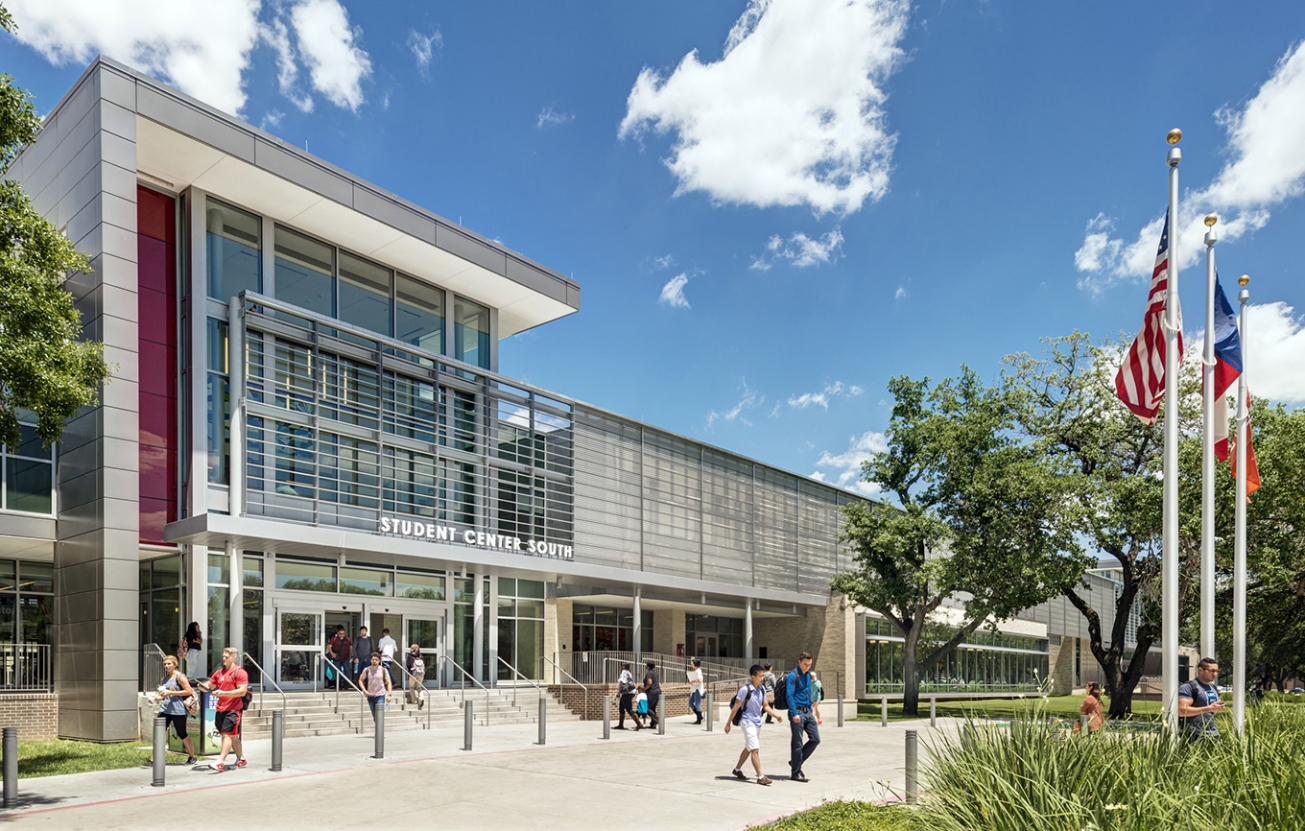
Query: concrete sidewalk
[(681, 779)]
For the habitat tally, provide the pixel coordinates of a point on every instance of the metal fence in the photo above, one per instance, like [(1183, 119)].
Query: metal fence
[(151, 673), (26, 666), (604, 666)]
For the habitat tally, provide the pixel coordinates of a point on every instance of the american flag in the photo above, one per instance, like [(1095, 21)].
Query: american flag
[(1140, 382)]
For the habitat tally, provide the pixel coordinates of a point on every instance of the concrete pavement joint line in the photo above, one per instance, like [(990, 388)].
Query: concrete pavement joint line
[(368, 764)]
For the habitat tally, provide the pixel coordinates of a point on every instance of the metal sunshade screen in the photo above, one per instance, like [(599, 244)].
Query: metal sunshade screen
[(607, 491), (672, 519), (817, 538), (727, 518), (777, 531)]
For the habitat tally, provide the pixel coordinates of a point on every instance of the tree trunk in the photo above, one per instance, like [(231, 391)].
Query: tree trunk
[(911, 677)]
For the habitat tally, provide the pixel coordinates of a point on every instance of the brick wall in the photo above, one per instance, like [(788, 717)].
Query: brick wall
[(827, 632), (36, 715)]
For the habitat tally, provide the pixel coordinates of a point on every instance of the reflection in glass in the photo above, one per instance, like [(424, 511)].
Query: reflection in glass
[(423, 586), (29, 486), (313, 577), (305, 272), (365, 294), (365, 581), (419, 316), (234, 242), (471, 333)]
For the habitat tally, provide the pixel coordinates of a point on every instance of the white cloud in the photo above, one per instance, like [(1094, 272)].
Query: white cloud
[(277, 36), (203, 48), (663, 262), (800, 250), (821, 399), (271, 120), (549, 117), (673, 292), (748, 401), (845, 468), (424, 47), (326, 41), (900, 293), (792, 114), (1275, 352), (1266, 168)]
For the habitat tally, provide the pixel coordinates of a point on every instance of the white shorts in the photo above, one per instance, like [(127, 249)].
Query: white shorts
[(751, 735)]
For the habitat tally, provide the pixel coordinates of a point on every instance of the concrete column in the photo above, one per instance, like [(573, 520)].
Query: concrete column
[(747, 630), (557, 634), (236, 593), (638, 627), (478, 621)]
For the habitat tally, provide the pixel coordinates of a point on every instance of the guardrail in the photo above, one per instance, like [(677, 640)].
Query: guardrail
[(466, 676)]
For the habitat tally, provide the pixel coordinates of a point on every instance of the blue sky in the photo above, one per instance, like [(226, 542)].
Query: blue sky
[(823, 196)]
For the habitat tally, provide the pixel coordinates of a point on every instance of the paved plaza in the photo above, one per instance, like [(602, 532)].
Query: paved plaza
[(680, 780)]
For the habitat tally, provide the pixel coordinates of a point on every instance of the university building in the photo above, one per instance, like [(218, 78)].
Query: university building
[(307, 426)]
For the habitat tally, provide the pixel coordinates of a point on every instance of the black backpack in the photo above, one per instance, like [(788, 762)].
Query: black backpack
[(738, 716), (781, 694)]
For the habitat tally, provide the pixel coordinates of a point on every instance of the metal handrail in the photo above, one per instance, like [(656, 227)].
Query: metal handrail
[(522, 677), (362, 697), (465, 676), (573, 679), (262, 685)]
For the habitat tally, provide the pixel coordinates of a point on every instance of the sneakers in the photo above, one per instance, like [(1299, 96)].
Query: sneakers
[(190, 760), (763, 780), (241, 763), (738, 774), (799, 777), (220, 767)]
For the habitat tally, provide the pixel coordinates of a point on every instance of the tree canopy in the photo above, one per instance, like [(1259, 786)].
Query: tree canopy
[(46, 368)]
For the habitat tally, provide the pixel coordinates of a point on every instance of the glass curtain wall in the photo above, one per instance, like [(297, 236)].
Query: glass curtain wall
[(305, 271), (986, 662), (471, 333), (419, 314), (252, 601), (161, 599), (219, 402), (28, 472), (366, 291), (464, 627), (521, 627), (235, 242), (702, 631), (603, 628), (218, 634)]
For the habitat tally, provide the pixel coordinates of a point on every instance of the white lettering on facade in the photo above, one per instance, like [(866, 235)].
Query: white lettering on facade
[(481, 539)]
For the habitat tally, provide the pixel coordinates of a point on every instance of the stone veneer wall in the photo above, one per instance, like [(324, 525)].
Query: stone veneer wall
[(36, 715)]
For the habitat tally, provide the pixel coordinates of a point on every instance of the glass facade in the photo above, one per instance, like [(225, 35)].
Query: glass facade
[(419, 314), (471, 333), (28, 473), (305, 271), (26, 597), (986, 662), (708, 636), (521, 627), (235, 243), (161, 598), (602, 628)]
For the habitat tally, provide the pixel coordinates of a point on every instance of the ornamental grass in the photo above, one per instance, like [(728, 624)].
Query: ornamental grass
[(1037, 776)]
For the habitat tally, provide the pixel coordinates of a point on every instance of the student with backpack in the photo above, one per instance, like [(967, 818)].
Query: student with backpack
[(416, 666), (749, 704), (798, 701)]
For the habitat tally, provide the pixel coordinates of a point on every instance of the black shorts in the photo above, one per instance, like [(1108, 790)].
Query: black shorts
[(228, 722), (177, 721)]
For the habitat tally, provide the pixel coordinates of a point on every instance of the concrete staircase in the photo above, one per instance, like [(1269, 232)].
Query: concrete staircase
[(315, 714)]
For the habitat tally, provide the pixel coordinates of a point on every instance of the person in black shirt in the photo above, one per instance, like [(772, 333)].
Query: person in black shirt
[(653, 688), (363, 647)]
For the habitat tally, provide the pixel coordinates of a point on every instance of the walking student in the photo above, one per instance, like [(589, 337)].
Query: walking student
[(746, 712), (363, 647), (770, 682), (340, 651), (374, 681), (625, 686), (416, 666), (653, 689), (1091, 707), (695, 688), (640, 707), (174, 691), (802, 720), (387, 646), (192, 646), (229, 685)]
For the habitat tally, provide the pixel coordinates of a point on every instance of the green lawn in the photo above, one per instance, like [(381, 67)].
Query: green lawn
[(57, 756), (1061, 706), (848, 816)]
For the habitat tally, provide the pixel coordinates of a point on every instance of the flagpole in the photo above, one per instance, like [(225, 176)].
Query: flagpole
[(1239, 549), (1169, 627), (1207, 450)]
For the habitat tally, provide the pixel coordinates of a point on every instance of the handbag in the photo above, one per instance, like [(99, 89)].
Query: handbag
[(192, 705)]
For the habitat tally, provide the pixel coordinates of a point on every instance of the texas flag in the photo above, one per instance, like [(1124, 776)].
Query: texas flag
[(1227, 366)]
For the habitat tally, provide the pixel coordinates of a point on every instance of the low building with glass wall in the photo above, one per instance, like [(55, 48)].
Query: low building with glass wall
[(307, 428)]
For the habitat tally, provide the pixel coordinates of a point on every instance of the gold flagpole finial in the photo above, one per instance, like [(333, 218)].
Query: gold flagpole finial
[(1243, 280), (1175, 135), (1211, 220)]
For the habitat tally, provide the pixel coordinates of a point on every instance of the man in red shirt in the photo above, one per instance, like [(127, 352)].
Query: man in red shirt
[(229, 686), (339, 650)]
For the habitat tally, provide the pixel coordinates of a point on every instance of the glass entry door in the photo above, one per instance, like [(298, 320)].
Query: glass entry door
[(707, 646), (428, 634), (298, 649)]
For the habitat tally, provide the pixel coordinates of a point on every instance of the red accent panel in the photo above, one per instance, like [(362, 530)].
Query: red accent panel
[(156, 283), (158, 371), (155, 215), (158, 424)]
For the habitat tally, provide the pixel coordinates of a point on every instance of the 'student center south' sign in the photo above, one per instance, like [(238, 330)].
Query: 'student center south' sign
[(433, 532)]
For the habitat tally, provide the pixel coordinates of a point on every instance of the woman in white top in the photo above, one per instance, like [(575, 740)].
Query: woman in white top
[(694, 672)]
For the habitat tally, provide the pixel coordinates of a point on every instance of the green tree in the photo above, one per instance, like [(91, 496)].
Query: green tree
[(45, 366), (982, 519)]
